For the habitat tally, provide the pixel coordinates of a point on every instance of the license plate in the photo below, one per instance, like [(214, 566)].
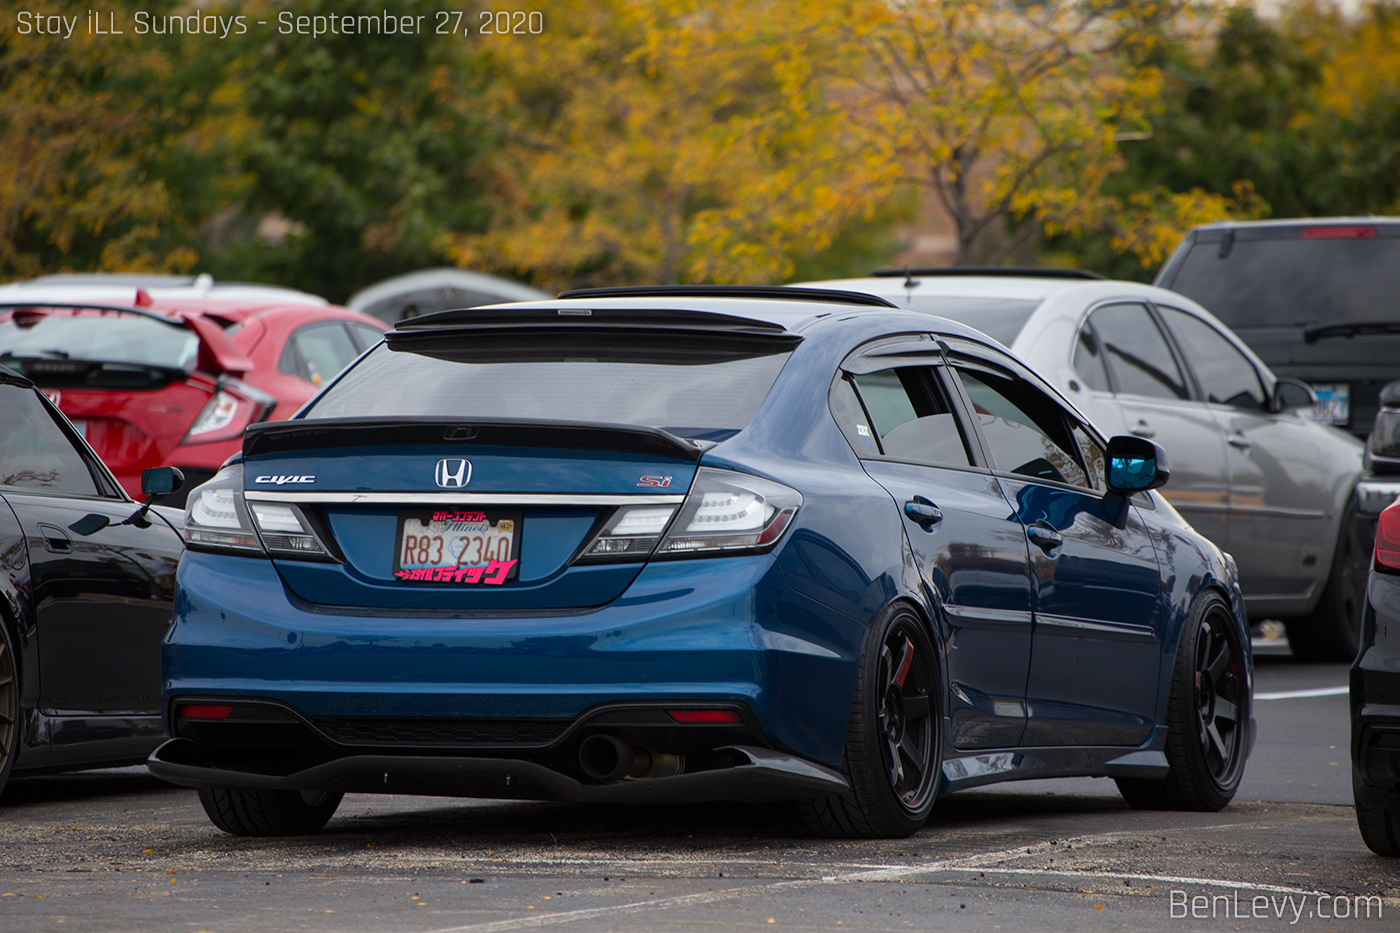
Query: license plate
[(457, 546), (1333, 404), (81, 427)]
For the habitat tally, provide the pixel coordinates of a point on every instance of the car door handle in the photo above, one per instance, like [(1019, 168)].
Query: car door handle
[(924, 513), (1143, 429), (1044, 536), (1239, 441), (55, 539)]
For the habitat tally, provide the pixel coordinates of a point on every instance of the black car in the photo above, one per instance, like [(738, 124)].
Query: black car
[(1375, 697), (1300, 292), (87, 581)]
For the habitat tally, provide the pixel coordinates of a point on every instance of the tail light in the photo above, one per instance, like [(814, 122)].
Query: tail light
[(724, 511), (1388, 540), (235, 405), (219, 518)]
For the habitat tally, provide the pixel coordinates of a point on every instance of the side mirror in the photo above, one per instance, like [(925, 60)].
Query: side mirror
[(1293, 394), (1134, 464), (158, 481)]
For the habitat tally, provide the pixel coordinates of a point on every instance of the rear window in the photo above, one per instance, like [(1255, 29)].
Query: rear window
[(998, 318), (1294, 282), (97, 336), (686, 388)]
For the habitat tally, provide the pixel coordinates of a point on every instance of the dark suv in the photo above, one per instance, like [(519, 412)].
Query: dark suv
[(1300, 292)]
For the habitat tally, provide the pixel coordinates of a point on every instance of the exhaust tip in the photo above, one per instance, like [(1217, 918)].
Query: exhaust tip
[(606, 758)]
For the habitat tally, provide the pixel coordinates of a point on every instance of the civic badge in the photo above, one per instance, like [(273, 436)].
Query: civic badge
[(453, 474)]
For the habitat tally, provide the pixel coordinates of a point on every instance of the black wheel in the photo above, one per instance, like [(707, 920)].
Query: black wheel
[(268, 812), (894, 739), (1332, 631), (1207, 718), (1380, 829), (9, 706)]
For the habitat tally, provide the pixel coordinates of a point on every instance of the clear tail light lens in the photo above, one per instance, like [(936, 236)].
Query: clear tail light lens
[(728, 511), (216, 517), (219, 518), (1388, 540), (631, 534)]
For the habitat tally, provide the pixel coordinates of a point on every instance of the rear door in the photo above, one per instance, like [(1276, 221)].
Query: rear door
[(103, 599), (1098, 626), (1277, 531), (893, 403)]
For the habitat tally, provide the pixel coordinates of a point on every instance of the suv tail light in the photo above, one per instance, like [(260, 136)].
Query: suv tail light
[(1388, 540)]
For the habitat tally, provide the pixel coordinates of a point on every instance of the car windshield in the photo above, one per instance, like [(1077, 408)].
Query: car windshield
[(1294, 282), (685, 387), (96, 336), (998, 318)]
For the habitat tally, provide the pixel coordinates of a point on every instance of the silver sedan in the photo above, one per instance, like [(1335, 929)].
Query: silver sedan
[(1250, 470)]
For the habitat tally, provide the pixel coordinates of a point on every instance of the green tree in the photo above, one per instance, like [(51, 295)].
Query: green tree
[(367, 145)]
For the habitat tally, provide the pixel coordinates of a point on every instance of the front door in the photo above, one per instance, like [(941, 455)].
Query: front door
[(1096, 586), (103, 600), (969, 548)]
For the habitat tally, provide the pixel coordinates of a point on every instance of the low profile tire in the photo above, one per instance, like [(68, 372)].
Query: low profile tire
[(894, 740), (1380, 829), (268, 812), (1207, 718), (1332, 631), (9, 706)]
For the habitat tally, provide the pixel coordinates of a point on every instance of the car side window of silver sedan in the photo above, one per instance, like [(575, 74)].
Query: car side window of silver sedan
[(1226, 375), (1137, 353), (1088, 360)]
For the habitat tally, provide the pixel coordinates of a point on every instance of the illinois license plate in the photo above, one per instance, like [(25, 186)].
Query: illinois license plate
[(1333, 403), (457, 546)]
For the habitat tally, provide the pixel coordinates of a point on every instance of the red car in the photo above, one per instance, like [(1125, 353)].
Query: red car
[(170, 374)]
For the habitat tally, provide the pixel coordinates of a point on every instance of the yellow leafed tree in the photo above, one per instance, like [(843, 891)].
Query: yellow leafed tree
[(662, 141)]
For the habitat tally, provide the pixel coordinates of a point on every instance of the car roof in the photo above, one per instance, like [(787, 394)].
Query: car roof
[(1017, 287), (123, 289), (447, 278), (1364, 220)]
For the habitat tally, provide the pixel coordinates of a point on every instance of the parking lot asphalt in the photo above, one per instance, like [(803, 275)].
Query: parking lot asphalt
[(120, 851)]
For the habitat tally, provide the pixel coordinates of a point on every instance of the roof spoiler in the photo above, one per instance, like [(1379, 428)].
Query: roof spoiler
[(277, 437)]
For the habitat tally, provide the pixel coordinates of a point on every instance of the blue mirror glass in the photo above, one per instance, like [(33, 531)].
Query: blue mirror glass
[(1126, 472)]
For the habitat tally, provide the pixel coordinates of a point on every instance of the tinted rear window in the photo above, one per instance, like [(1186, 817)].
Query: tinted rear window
[(686, 389), (100, 336), (1294, 282), (998, 318)]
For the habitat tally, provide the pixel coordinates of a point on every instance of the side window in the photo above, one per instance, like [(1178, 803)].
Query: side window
[(912, 420), (1027, 432), (365, 336), (845, 408), (1137, 352), (1092, 456), (35, 453), (1227, 376), (318, 351), (1088, 360)]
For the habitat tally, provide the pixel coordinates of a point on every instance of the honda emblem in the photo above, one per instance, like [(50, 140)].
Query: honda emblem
[(453, 474)]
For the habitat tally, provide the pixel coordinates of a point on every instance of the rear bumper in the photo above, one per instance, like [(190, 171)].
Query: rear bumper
[(762, 775), (727, 630)]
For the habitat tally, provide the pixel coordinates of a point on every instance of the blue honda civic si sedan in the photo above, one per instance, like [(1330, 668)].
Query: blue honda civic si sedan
[(680, 544)]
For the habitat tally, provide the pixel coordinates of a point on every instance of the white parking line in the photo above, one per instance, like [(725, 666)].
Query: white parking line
[(876, 874), (1300, 694)]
